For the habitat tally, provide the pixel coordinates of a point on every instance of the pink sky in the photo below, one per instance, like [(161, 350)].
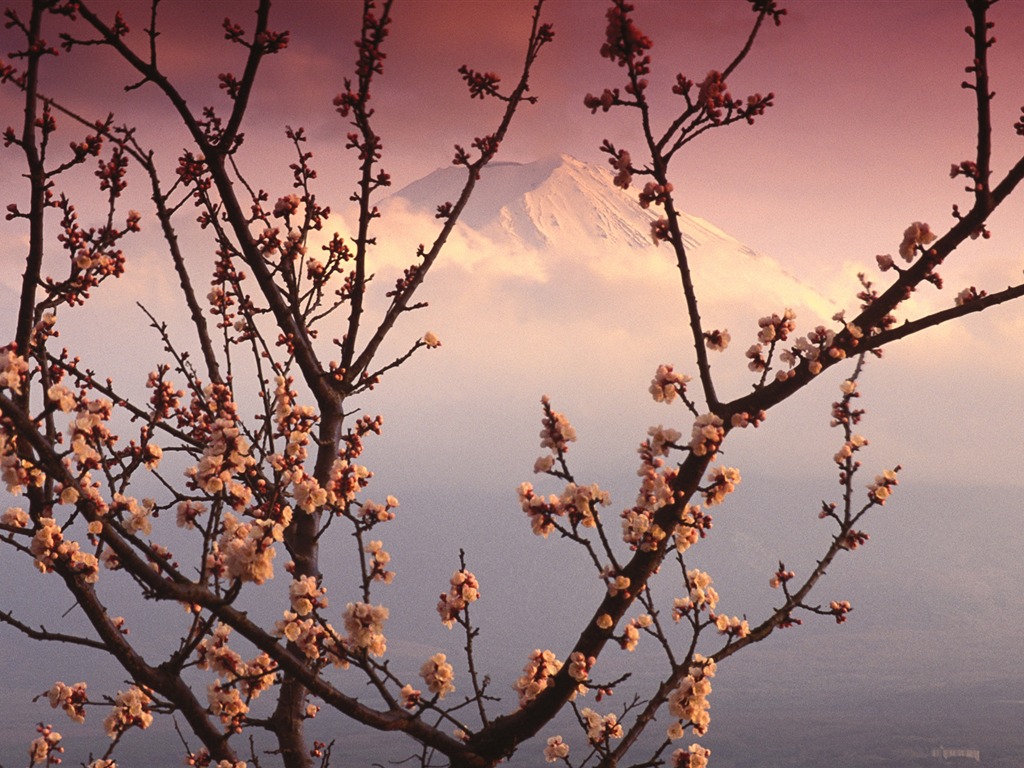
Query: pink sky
[(869, 111)]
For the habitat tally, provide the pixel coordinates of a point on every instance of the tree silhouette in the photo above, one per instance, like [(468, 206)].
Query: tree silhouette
[(250, 435)]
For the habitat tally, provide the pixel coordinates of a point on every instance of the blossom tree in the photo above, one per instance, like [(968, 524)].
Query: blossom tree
[(249, 435)]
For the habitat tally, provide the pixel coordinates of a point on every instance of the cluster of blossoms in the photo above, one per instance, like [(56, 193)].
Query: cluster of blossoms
[(667, 384), (576, 502), (410, 696), (70, 698), (707, 434), (364, 624), (689, 701), (465, 589), (49, 547), (721, 482), (780, 577), (438, 674), (654, 193), (810, 348), (714, 95), (372, 512), (226, 456), (15, 517), (662, 438), (246, 551), (555, 750), (616, 583), (16, 472), (286, 206), (538, 674), (88, 429), (601, 729), (702, 595), (840, 609), (694, 757), (306, 595), (379, 558), (201, 759), (556, 432), (660, 231), (691, 527), (881, 489), (226, 702), (13, 370), (620, 161), (131, 710), (855, 443), (776, 327), (733, 626), (717, 340), (62, 397), (631, 632), (915, 236), (968, 295), (295, 424), (579, 668), (640, 531), (187, 512), (135, 517), (252, 677), (45, 748), (312, 638)]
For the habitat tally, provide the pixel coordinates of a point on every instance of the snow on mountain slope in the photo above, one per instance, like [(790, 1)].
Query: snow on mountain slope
[(560, 218)]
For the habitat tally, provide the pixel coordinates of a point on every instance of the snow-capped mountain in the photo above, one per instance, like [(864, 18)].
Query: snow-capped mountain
[(561, 216)]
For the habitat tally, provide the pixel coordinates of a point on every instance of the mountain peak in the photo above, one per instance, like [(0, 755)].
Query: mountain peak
[(560, 211)]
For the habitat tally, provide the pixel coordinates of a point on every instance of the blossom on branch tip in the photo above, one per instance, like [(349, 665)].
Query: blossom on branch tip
[(620, 161), (601, 729), (732, 626), (70, 698), (916, 235), (667, 384), (968, 295), (717, 340), (701, 596), (654, 193), (131, 710), (840, 609), (465, 589), (662, 439), (555, 750), (46, 747), (410, 696), (881, 489), (556, 432), (780, 577), (722, 482), (659, 231), (437, 674), (15, 517), (431, 340)]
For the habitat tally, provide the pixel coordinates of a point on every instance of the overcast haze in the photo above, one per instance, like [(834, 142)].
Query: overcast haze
[(869, 117)]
